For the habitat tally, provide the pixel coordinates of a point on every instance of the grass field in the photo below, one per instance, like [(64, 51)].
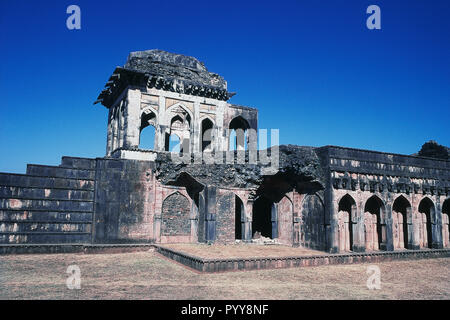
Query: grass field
[(147, 275)]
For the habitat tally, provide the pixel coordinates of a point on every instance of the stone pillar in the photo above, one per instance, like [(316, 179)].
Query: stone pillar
[(210, 213), (253, 146), (157, 227), (414, 223), (196, 127), (247, 230), (389, 241), (219, 140), (274, 219), (161, 125), (132, 119), (357, 216), (333, 240), (436, 226), (114, 144), (162, 137), (109, 134), (194, 222)]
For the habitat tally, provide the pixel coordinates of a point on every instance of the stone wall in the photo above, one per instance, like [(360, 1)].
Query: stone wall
[(383, 189)]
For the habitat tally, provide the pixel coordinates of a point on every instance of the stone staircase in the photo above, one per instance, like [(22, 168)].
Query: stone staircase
[(48, 204)]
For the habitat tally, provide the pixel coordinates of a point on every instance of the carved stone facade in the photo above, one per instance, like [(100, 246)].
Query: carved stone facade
[(332, 199)]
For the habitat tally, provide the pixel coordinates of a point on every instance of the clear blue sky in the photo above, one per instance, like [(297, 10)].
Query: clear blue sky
[(312, 68)]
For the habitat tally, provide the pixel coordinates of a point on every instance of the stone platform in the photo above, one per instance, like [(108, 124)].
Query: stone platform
[(274, 262)]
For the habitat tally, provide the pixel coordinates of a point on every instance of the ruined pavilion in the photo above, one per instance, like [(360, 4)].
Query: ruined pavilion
[(330, 198)]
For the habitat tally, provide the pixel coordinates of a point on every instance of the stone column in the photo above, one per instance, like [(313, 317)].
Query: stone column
[(162, 137), (109, 134), (333, 240), (210, 213), (274, 219), (248, 234), (196, 127), (132, 119), (357, 216), (413, 230), (161, 125), (389, 244), (157, 227), (436, 226)]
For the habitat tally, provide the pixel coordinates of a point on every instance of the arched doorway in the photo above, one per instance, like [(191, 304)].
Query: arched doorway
[(264, 217), (373, 230), (178, 136), (426, 210), (239, 218), (401, 210), (206, 138), (147, 132), (445, 223), (238, 129), (347, 206)]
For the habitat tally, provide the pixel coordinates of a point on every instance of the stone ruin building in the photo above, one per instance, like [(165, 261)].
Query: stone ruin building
[(329, 198)]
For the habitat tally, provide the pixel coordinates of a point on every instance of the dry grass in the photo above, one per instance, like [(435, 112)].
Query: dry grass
[(217, 251), (146, 275)]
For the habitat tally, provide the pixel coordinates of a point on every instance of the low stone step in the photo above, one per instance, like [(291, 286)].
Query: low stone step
[(48, 205), (44, 237), (18, 227), (60, 172), (47, 216), (27, 181), (43, 193)]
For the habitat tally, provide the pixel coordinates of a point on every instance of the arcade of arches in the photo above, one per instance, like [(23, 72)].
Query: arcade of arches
[(364, 225)]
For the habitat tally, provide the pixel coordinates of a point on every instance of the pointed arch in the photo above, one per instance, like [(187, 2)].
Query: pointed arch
[(402, 227), (427, 211), (147, 131), (206, 134), (178, 135), (182, 110), (346, 221), (374, 223), (238, 133)]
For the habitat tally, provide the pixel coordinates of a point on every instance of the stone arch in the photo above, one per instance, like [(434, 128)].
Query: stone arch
[(178, 119), (446, 223), (285, 221), (374, 223), (238, 131), (346, 220), (312, 229), (426, 214), (179, 127), (178, 109), (175, 215), (402, 227), (206, 134), (147, 130)]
